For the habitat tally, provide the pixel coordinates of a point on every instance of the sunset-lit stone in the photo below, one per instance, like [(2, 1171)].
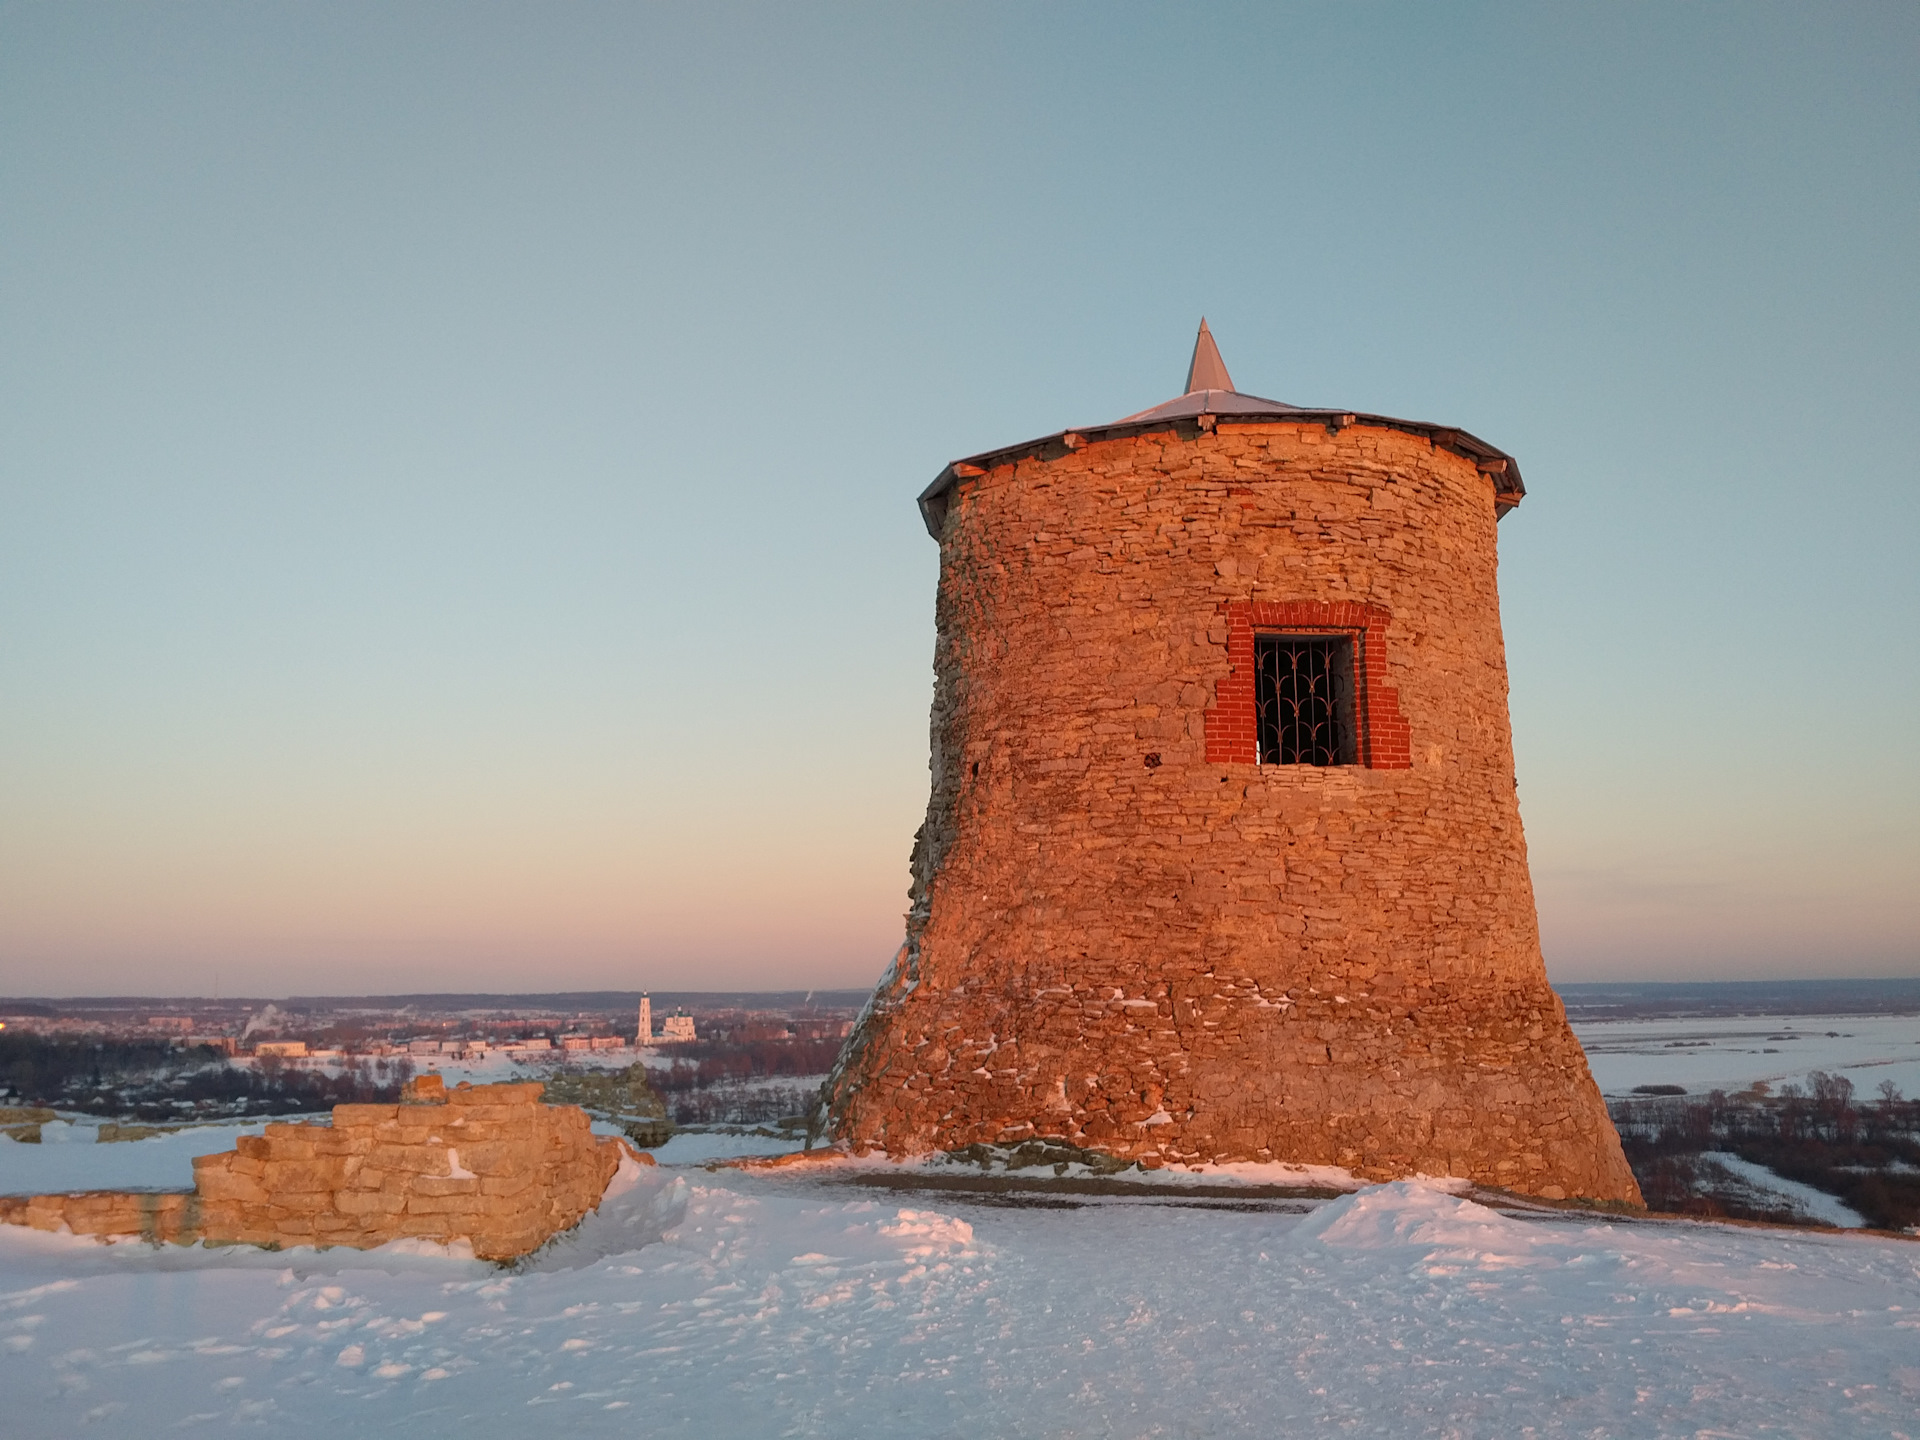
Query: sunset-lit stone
[(1129, 935), (539, 1174)]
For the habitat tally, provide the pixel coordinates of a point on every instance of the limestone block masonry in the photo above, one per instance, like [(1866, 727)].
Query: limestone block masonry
[(488, 1164), (1127, 934)]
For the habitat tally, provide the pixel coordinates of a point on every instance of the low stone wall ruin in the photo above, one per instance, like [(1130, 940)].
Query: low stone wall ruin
[(487, 1164)]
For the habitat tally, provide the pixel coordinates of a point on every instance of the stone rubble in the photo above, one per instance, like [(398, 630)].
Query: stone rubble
[(486, 1164)]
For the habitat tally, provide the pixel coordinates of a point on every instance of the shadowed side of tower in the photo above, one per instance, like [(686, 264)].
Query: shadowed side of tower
[(1223, 858)]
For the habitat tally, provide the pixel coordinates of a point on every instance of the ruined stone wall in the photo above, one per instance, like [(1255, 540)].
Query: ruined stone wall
[(488, 1164), (1118, 943)]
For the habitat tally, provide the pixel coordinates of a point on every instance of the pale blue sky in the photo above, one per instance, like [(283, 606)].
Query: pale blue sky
[(456, 521)]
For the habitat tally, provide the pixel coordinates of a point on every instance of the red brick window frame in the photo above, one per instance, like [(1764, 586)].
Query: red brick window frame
[(1382, 738)]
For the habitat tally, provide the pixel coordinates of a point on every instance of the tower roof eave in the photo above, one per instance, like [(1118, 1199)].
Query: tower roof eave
[(1229, 405)]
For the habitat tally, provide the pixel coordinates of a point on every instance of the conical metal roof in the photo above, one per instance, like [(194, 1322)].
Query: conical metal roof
[(1207, 371), (1209, 390), (1209, 398)]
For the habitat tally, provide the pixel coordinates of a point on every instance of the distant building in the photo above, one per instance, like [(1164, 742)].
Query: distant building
[(576, 1042), (823, 1029), (645, 1036), (286, 1049), (676, 1027), (268, 1017)]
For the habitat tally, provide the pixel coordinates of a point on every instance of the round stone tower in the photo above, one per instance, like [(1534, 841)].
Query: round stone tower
[(1223, 859)]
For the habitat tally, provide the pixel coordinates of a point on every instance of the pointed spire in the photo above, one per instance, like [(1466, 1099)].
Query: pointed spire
[(1208, 371)]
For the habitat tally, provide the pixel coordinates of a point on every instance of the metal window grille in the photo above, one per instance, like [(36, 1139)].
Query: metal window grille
[(1304, 699)]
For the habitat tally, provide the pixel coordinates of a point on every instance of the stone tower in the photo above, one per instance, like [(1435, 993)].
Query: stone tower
[(1223, 859)]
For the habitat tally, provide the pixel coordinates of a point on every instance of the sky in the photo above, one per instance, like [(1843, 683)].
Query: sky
[(456, 494)]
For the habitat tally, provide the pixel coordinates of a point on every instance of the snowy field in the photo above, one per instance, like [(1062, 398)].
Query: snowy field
[(1730, 1053), (1770, 1190), (68, 1159), (722, 1304), (695, 1147)]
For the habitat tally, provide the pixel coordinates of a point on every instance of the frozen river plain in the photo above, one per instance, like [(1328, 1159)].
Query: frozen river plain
[(1731, 1052)]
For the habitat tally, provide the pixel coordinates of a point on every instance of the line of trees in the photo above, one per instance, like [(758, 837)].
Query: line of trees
[(1865, 1154), (151, 1080), (740, 1105), (721, 1082), (703, 1064)]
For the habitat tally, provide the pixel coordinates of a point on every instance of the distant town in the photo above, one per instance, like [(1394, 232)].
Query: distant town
[(713, 1057), (462, 1026)]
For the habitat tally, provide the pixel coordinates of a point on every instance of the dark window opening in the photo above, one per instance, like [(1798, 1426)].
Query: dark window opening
[(1304, 700)]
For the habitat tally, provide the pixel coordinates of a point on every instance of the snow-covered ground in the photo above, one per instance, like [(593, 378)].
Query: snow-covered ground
[(68, 1159), (729, 1304), (695, 1147), (1770, 1189), (1730, 1053)]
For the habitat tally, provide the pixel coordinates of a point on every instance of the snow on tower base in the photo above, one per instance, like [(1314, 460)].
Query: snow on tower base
[(1223, 858)]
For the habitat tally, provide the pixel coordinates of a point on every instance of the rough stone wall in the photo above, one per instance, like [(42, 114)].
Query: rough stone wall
[(1118, 944), (489, 1164)]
